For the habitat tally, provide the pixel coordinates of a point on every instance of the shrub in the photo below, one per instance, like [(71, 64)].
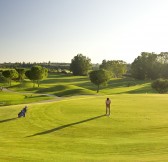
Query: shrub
[(160, 85)]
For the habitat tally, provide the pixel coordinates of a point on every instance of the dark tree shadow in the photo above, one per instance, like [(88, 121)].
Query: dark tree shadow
[(6, 120), (65, 126)]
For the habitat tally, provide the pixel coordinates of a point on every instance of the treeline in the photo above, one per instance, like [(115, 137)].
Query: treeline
[(146, 66), (51, 66), (154, 67), (81, 65), (35, 74), (150, 66)]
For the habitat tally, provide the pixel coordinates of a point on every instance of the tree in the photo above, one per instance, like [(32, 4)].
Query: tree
[(9, 75), (2, 78), (163, 60), (163, 57), (99, 77), (146, 66), (21, 74), (160, 85), (36, 74), (80, 65), (164, 71), (116, 67)]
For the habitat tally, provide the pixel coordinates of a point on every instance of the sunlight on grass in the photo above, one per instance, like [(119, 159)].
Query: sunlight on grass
[(65, 85), (75, 129), (11, 98)]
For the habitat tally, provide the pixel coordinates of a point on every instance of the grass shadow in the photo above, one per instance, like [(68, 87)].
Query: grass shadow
[(65, 126), (146, 89), (7, 120), (65, 90), (62, 79)]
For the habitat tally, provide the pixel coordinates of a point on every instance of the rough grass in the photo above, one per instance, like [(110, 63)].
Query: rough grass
[(75, 129)]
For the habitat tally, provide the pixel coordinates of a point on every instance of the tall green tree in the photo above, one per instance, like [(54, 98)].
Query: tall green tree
[(163, 60), (36, 74), (10, 75), (99, 77), (80, 65), (116, 67), (146, 66), (21, 74)]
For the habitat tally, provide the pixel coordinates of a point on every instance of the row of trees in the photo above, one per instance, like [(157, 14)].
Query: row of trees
[(150, 66), (81, 65), (146, 66), (49, 65), (35, 74)]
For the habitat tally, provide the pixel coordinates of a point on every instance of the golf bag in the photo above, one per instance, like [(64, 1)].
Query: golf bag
[(22, 113)]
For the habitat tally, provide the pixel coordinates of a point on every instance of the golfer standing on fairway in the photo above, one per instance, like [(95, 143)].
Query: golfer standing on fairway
[(108, 102)]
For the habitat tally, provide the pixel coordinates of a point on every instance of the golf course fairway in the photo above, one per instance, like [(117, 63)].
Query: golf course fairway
[(75, 129)]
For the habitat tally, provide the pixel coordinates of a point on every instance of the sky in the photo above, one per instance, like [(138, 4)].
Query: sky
[(58, 30)]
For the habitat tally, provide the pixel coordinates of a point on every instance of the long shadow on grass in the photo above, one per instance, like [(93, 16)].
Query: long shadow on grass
[(65, 126), (7, 120)]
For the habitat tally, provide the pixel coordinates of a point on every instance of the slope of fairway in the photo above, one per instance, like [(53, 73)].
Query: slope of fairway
[(12, 98), (67, 85), (75, 129), (66, 90)]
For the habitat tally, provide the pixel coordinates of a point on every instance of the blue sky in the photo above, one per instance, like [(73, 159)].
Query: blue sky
[(57, 30)]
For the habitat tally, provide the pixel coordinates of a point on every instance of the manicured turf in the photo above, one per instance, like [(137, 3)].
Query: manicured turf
[(67, 85), (12, 98), (75, 130)]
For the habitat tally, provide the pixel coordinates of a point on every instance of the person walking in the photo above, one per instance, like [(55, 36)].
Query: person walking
[(108, 102)]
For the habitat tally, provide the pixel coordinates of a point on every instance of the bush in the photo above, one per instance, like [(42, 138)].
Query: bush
[(160, 85)]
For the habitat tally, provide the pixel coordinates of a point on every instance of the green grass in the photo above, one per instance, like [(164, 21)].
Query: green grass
[(12, 98), (67, 85), (66, 90), (75, 129), (59, 85)]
